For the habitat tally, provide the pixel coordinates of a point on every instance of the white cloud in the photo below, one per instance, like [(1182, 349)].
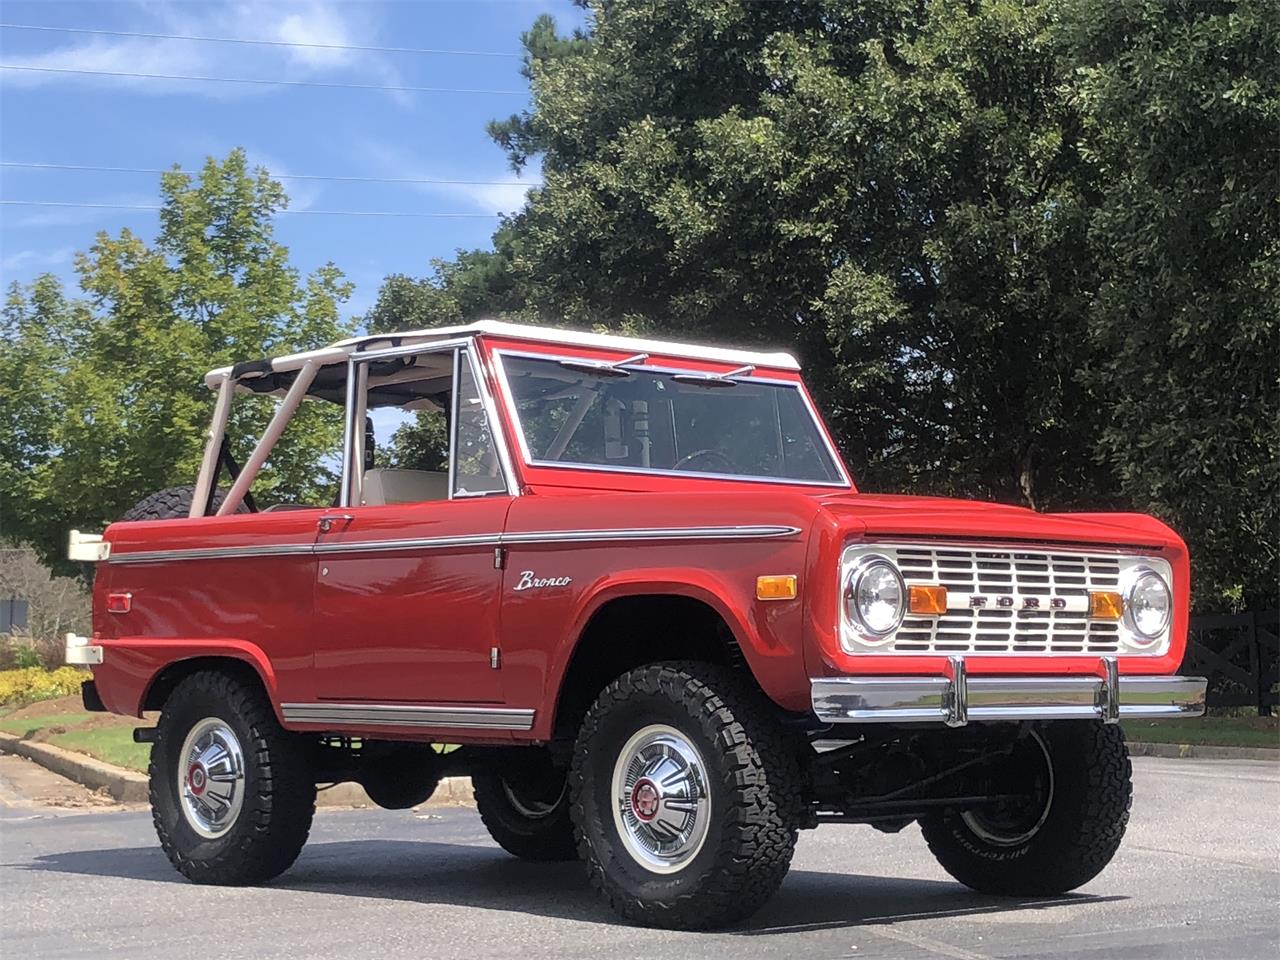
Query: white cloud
[(491, 198), (481, 197), (317, 22), (36, 261)]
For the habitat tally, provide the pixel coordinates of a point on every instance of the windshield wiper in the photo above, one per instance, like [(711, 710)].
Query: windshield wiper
[(604, 368), (714, 379)]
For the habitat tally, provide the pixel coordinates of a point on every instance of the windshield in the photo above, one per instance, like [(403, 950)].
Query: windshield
[(641, 419)]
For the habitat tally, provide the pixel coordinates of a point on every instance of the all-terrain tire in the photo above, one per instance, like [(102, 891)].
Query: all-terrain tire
[(755, 795), (1087, 816), (526, 811), (279, 792), (171, 503)]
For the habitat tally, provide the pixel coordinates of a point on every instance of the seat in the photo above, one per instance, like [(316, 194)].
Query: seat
[(386, 486)]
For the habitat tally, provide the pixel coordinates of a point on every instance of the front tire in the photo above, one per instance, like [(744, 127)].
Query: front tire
[(232, 792), (1081, 784), (685, 797)]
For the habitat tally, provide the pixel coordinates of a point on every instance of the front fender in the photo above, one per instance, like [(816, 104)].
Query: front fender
[(767, 633)]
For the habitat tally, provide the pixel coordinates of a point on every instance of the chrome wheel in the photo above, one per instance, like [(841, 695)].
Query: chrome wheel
[(1010, 824), (662, 805), (211, 778)]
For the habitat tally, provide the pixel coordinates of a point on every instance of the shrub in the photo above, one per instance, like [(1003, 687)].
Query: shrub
[(25, 656), (29, 684)]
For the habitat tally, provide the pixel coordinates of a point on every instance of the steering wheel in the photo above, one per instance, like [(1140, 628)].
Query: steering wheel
[(706, 454)]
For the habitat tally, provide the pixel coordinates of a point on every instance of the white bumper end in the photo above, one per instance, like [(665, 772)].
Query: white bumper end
[(81, 652)]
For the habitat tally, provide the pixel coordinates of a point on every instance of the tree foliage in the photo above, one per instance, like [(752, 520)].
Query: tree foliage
[(1026, 250), (1180, 115), (106, 395)]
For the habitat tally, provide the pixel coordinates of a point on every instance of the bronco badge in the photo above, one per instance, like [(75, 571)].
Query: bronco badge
[(529, 582)]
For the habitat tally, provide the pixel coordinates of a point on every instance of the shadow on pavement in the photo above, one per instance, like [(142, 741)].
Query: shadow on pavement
[(480, 876)]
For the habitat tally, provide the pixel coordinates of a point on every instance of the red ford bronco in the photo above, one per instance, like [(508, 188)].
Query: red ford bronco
[(641, 593)]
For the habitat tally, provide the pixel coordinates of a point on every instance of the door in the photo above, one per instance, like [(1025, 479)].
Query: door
[(407, 586)]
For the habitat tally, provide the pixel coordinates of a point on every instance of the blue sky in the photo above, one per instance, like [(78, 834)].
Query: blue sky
[(70, 119)]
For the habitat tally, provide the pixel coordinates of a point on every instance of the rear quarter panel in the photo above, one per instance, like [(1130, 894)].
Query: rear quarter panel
[(257, 609)]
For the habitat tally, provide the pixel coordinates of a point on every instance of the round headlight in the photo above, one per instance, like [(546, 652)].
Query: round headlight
[(1148, 606), (875, 597)]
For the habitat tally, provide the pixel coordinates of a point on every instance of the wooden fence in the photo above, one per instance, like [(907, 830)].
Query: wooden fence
[(1240, 654)]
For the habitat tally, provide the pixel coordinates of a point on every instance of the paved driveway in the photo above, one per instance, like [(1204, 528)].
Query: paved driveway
[(1198, 876)]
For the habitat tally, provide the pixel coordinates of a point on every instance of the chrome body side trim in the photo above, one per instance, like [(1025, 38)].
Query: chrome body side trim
[(426, 543), (213, 553), (482, 539), (960, 700), (651, 533), (397, 715)]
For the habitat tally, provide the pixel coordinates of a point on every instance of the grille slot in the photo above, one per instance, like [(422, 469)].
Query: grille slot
[(993, 572)]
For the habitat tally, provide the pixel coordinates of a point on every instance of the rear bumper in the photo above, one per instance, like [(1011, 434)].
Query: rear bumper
[(957, 699)]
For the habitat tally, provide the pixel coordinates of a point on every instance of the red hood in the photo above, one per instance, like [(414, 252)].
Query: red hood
[(939, 517)]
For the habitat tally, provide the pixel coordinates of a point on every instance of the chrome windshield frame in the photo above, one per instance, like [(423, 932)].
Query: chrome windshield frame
[(508, 397)]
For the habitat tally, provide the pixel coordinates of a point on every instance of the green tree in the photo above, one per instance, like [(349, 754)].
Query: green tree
[(116, 406), (890, 188), (1026, 250), (1180, 108)]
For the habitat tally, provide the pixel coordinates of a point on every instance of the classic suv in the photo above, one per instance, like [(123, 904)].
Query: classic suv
[(634, 582)]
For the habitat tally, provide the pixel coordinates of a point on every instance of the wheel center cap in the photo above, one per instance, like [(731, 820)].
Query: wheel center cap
[(645, 799), (197, 778)]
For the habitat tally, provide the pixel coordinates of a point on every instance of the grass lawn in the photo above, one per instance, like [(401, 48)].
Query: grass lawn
[(24, 726), (65, 723), (111, 744), (1211, 731)]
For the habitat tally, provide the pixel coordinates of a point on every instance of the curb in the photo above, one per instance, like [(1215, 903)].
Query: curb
[(1196, 751), (128, 786), (118, 783), (451, 792)]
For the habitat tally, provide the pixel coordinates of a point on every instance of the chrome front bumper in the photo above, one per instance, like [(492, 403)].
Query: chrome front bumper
[(957, 699)]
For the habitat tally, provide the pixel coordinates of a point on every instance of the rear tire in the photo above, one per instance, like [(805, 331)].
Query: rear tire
[(1037, 851), (685, 796), (172, 503), (232, 792), (525, 808)]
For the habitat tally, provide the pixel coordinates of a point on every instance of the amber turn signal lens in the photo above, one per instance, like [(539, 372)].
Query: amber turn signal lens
[(1105, 605), (927, 599), (776, 588)]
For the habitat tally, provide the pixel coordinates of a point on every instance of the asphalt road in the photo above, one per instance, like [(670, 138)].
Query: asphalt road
[(1197, 877)]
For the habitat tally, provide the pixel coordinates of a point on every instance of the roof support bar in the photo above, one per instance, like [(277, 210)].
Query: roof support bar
[(206, 480), (284, 413)]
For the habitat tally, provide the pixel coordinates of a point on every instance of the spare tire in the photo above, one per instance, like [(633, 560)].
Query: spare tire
[(172, 503)]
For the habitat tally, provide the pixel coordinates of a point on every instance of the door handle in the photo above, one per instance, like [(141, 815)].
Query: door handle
[(326, 523)]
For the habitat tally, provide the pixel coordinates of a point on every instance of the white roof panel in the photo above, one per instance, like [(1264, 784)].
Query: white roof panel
[(519, 331)]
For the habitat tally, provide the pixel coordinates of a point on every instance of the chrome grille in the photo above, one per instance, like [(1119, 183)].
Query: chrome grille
[(997, 571)]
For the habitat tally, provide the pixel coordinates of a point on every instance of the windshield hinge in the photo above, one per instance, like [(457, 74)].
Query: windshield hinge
[(604, 368), (714, 379)]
